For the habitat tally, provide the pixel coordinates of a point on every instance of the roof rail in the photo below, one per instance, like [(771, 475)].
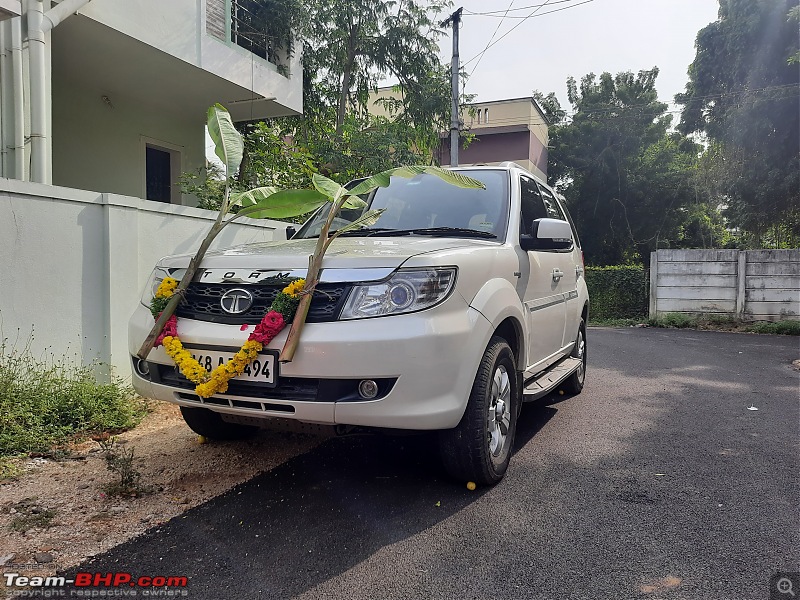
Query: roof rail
[(511, 163)]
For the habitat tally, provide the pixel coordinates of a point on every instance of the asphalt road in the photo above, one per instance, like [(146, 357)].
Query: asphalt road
[(656, 482)]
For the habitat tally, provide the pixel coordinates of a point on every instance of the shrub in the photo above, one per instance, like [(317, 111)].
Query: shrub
[(120, 461), (724, 323), (778, 327), (45, 403), (675, 320), (617, 292)]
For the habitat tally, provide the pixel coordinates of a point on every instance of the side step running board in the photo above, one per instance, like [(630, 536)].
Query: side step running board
[(550, 379)]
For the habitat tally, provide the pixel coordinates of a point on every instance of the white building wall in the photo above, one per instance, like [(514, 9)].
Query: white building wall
[(180, 31), (102, 148), (74, 264), (175, 31)]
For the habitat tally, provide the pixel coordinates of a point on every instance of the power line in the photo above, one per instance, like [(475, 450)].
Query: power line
[(497, 12), (522, 20), (496, 29)]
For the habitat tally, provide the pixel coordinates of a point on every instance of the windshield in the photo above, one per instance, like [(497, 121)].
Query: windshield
[(426, 205)]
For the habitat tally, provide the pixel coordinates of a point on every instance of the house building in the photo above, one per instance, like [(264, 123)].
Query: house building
[(114, 98), (103, 105), (514, 129)]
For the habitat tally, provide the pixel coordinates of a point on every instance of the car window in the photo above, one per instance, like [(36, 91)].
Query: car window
[(313, 226), (427, 201), (550, 204), (531, 201), (563, 207)]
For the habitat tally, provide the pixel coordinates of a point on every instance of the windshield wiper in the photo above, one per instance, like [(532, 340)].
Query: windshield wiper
[(433, 231), (453, 231), (382, 231)]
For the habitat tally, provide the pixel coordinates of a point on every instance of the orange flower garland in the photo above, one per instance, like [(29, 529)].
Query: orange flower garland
[(216, 382)]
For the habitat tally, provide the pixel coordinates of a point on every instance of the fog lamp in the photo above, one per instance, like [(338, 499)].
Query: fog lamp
[(367, 389)]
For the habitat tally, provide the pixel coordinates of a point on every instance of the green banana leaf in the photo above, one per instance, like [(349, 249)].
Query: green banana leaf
[(365, 220), (228, 144), (279, 205)]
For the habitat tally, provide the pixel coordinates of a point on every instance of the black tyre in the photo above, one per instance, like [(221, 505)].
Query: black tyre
[(574, 383), (210, 424), (479, 448)]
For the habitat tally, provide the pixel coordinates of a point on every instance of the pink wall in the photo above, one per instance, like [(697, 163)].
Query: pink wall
[(499, 146)]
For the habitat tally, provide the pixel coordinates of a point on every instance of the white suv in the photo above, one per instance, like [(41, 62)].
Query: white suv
[(451, 310)]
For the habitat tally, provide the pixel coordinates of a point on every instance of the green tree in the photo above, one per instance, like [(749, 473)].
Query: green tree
[(351, 45), (743, 94), (625, 178), (348, 48)]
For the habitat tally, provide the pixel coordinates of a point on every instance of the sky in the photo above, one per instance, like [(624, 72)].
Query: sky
[(586, 36)]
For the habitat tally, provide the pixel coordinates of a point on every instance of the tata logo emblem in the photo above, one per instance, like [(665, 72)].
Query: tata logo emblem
[(236, 301)]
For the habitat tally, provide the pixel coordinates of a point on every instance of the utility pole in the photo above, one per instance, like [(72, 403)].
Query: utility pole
[(455, 18)]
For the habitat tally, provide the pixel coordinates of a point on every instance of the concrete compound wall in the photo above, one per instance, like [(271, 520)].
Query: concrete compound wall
[(757, 285), (73, 264)]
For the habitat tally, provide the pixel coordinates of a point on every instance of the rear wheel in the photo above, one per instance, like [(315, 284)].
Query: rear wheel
[(479, 448), (210, 424), (574, 383)]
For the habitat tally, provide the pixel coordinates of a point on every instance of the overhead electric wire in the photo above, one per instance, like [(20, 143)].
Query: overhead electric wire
[(497, 12), (522, 20), (491, 39)]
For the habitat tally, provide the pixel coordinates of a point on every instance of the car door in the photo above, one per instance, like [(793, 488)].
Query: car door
[(544, 294), (567, 264)]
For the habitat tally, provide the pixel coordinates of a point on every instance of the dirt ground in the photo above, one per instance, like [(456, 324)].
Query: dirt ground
[(182, 471)]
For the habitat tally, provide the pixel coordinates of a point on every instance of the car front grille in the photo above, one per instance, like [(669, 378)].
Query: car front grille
[(202, 302)]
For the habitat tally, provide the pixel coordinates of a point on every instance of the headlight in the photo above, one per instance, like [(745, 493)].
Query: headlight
[(156, 277), (406, 291)]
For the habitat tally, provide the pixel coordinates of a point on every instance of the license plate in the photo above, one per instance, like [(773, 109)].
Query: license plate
[(262, 370)]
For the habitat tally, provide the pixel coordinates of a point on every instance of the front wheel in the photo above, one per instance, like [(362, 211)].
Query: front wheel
[(479, 448)]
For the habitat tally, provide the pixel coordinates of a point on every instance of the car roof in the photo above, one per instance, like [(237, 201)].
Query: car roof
[(507, 166)]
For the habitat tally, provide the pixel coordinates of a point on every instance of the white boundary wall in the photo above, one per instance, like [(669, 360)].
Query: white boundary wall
[(755, 285), (73, 264)]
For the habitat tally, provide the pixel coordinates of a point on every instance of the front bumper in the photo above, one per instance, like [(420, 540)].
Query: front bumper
[(426, 362)]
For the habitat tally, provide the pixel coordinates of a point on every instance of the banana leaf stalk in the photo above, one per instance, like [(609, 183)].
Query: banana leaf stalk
[(312, 279), (177, 297), (229, 148)]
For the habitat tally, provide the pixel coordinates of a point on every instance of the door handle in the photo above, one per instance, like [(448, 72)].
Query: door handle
[(557, 274)]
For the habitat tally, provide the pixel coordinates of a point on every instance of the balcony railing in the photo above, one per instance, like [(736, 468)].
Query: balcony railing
[(253, 28)]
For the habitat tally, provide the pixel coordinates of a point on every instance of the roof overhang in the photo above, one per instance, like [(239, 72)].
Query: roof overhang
[(10, 9), (86, 52)]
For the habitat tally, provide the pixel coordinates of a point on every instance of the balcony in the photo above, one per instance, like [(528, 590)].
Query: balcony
[(263, 29)]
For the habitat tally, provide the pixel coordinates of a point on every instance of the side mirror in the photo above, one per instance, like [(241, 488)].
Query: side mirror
[(547, 234), (290, 231)]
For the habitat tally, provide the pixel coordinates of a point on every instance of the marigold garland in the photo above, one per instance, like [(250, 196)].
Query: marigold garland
[(207, 384)]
